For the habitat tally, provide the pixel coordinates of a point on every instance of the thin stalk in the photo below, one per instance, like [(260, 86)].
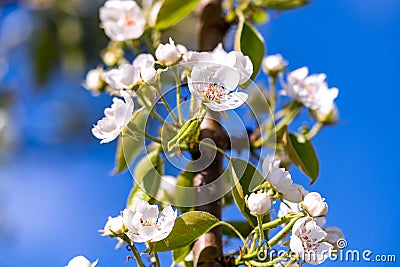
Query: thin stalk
[(272, 93), (282, 233), (233, 229), (165, 102), (152, 111), (137, 255), (192, 104), (253, 242), (134, 250), (148, 136), (259, 220), (270, 263), (216, 148), (314, 130), (156, 258), (178, 95)]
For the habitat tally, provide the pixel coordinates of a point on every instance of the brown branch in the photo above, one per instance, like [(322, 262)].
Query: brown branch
[(208, 248)]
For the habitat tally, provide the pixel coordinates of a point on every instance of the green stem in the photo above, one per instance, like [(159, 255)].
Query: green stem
[(192, 104), (148, 136), (259, 220), (178, 94), (276, 222), (279, 236), (217, 148), (233, 229), (270, 263), (134, 250), (156, 258), (272, 94), (314, 130), (282, 233), (202, 113), (152, 111), (294, 110), (253, 242), (165, 102)]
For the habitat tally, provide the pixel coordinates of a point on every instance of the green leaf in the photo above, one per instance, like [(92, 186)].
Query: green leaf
[(147, 176), (243, 227), (137, 194), (251, 43), (301, 152), (129, 146), (173, 11), (187, 229), (244, 178), (183, 181), (180, 254)]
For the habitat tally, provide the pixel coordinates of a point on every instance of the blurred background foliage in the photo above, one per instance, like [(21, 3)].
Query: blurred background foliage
[(45, 44)]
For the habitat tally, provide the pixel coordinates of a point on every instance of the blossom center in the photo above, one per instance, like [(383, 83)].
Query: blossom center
[(213, 91), (129, 20)]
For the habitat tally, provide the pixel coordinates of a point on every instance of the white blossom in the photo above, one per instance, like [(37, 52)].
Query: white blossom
[(168, 54), (274, 64), (216, 87), (124, 77), (233, 59), (281, 180), (116, 118), (81, 261), (145, 64), (145, 225), (258, 203), (94, 79), (241, 63), (315, 204), (122, 20), (312, 91), (114, 226), (306, 241), (287, 207)]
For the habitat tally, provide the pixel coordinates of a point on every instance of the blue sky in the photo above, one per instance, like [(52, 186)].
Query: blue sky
[(56, 196)]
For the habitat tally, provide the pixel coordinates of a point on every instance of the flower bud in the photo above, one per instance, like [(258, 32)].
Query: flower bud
[(148, 75), (112, 56), (168, 54), (114, 226), (80, 261), (330, 118), (258, 203), (94, 80), (274, 64), (315, 204)]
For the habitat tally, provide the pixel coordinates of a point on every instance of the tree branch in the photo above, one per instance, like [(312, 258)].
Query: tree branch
[(208, 248)]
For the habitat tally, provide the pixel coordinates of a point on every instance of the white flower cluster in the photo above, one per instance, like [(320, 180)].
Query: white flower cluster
[(145, 224), (281, 180), (116, 118), (310, 90), (308, 238), (306, 241), (122, 20), (214, 79)]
